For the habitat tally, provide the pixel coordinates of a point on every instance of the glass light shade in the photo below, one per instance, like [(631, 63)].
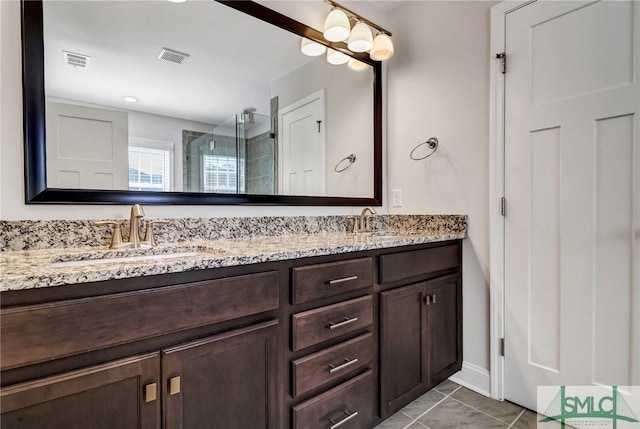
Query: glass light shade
[(382, 48), (336, 26), (360, 39), (311, 48), (357, 65), (336, 57)]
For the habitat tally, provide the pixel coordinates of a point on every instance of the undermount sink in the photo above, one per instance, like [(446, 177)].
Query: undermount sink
[(111, 256)]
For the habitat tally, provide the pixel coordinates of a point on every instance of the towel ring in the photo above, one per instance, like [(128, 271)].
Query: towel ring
[(351, 158), (433, 145)]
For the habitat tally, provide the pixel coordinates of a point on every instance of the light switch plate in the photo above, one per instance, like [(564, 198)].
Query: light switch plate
[(396, 198)]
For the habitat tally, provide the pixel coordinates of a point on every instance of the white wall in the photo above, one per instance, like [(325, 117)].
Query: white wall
[(348, 116), (438, 86)]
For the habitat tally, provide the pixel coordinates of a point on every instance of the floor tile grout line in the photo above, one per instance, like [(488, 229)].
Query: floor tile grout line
[(433, 406), (516, 419), (480, 411)]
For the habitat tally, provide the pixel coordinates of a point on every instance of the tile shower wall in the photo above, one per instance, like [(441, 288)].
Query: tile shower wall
[(260, 173)]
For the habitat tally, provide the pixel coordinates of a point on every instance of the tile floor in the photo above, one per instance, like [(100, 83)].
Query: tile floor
[(451, 406)]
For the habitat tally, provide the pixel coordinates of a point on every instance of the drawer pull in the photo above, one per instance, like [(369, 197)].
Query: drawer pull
[(349, 416), (342, 280), (348, 362), (346, 321)]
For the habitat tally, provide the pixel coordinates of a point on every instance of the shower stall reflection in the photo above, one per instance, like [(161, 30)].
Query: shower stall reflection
[(236, 157)]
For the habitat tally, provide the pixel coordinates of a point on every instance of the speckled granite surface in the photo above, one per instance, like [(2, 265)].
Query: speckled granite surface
[(27, 269)]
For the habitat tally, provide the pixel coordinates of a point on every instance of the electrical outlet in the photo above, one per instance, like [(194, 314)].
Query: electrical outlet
[(396, 198)]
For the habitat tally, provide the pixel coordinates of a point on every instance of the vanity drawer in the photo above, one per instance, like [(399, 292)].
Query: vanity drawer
[(321, 324), (404, 265), (43, 332), (324, 366), (348, 406), (323, 280)]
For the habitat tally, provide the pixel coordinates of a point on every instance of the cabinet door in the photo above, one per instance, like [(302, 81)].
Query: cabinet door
[(444, 327), (225, 381), (403, 340), (122, 394)]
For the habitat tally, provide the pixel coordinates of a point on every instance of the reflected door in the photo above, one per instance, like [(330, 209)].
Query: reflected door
[(302, 142), (87, 148), (572, 169)]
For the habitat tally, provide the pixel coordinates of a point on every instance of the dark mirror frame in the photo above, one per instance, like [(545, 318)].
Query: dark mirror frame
[(35, 171)]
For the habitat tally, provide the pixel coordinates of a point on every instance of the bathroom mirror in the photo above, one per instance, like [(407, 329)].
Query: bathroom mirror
[(200, 102)]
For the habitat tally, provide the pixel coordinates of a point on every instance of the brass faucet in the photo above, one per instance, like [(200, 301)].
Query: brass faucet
[(135, 239), (365, 225), (134, 225)]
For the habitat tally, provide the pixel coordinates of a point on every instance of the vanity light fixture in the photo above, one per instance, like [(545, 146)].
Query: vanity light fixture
[(336, 57), (382, 48), (357, 65), (311, 48), (360, 38), (337, 26), (130, 99)]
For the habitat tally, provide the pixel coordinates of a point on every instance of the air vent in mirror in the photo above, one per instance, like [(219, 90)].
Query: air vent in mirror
[(76, 60), (173, 56)]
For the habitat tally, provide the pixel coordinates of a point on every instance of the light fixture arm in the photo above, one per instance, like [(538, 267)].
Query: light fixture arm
[(356, 16)]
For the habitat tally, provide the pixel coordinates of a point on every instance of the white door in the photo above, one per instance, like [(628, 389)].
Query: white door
[(87, 148), (572, 188), (302, 147)]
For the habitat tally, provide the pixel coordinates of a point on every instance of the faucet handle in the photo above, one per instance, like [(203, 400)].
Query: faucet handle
[(116, 238), (149, 237), (356, 223)]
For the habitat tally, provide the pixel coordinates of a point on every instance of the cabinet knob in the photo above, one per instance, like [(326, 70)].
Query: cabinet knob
[(150, 392), (174, 385)]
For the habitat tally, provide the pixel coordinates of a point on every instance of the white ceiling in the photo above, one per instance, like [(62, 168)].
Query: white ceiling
[(234, 57)]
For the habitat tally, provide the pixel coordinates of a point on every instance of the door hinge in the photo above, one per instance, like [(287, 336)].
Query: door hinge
[(503, 206), (502, 56), (501, 346)]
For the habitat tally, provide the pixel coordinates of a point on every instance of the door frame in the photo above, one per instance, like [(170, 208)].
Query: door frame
[(318, 95), (496, 192)]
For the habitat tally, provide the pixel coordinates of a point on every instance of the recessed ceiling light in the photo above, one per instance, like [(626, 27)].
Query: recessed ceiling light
[(177, 1), (130, 99)]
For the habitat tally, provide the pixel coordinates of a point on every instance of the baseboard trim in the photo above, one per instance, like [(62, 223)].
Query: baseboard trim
[(474, 378)]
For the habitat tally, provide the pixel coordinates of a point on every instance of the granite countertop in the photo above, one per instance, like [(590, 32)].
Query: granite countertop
[(33, 268)]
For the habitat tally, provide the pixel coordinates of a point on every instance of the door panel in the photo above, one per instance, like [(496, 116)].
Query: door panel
[(403, 340), (225, 381), (303, 146), (87, 148), (444, 324), (572, 180), (108, 396)]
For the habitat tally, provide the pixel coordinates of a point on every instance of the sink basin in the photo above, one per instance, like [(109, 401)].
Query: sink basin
[(111, 256)]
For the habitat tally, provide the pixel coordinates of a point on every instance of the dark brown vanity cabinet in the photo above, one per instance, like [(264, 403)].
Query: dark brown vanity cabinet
[(122, 394), (420, 328), (227, 377), (327, 342), (340, 372)]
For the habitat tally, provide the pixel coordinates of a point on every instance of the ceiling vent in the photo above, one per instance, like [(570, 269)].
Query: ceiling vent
[(75, 60), (173, 56)]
